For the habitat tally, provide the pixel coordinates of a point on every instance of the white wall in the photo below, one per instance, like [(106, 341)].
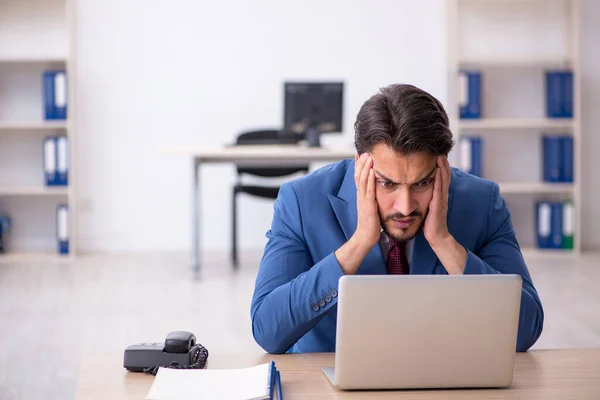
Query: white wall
[(156, 74)]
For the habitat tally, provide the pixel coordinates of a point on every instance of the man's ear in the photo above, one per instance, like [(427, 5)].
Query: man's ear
[(356, 156)]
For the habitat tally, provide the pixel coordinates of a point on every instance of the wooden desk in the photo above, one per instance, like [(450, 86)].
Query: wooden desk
[(267, 155), (539, 374)]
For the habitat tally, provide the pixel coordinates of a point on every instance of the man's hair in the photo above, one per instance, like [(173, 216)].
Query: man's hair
[(405, 118)]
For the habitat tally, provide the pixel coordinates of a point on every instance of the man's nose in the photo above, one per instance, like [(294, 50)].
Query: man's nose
[(404, 202)]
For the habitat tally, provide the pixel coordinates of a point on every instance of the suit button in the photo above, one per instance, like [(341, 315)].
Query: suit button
[(315, 307), (328, 298), (321, 303), (333, 293)]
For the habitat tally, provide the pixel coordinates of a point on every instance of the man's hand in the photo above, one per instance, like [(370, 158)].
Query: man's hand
[(452, 255), (436, 228), (368, 229)]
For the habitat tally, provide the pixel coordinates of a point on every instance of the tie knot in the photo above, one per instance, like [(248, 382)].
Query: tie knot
[(397, 244)]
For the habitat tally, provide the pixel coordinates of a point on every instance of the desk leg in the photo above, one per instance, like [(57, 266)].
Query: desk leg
[(196, 217)]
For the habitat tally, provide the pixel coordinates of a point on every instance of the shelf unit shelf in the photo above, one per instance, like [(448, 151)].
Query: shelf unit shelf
[(33, 125), (513, 115), (30, 257), (33, 191), (517, 123), (33, 60), (514, 62), (536, 187), (533, 253), (34, 38)]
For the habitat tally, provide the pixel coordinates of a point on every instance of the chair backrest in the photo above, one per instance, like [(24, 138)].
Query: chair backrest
[(264, 137)]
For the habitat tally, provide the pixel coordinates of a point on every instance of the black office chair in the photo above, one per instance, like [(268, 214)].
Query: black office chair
[(267, 192)]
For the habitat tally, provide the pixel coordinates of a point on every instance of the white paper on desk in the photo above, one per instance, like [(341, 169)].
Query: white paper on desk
[(222, 384)]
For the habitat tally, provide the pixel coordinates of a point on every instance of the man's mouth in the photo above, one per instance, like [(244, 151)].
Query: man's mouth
[(403, 222)]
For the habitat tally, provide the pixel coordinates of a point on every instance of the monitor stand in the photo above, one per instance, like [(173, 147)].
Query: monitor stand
[(313, 137)]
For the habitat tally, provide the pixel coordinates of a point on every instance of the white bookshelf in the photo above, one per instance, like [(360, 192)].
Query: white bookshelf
[(35, 35), (520, 39)]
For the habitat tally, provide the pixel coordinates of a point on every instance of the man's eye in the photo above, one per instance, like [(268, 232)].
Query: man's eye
[(425, 183), (386, 184)]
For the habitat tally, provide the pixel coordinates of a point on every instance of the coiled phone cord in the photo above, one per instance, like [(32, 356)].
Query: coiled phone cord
[(199, 357)]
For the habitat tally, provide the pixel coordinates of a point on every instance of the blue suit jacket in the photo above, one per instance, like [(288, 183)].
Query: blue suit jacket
[(315, 215)]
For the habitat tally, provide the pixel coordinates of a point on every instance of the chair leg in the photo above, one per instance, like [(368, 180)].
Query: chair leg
[(234, 255)]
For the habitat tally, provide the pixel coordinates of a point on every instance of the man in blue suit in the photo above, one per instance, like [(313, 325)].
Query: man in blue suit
[(398, 207)]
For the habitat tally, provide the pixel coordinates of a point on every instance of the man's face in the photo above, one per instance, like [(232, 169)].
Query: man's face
[(404, 187)]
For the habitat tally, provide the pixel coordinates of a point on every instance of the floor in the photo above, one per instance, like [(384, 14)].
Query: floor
[(51, 313)]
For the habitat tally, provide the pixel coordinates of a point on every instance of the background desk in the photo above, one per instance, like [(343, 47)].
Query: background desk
[(539, 374), (268, 155)]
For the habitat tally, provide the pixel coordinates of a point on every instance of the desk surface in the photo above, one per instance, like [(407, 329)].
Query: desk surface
[(265, 152), (539, 374)]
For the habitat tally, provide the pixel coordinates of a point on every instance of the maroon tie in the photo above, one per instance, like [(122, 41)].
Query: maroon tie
[(397, 264)]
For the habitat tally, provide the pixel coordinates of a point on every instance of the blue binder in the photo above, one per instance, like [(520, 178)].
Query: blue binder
[(4, 225), (554, 89), (567, 94), (275, 392), (48, 86), (566, 151), (55, 95), (278, 394), (551, 155), (470, 94), (556, 230), (49, 161), (471, 155), (543, 224), (62, 160), (62, 228), (559, 94)]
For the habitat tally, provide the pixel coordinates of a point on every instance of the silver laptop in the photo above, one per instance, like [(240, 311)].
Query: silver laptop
[(426, 331)]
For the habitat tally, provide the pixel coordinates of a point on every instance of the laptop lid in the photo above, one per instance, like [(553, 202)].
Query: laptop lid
[(426, 331)]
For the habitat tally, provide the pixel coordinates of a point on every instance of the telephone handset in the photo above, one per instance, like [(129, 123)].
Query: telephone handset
[(179, 342), (179, 351)]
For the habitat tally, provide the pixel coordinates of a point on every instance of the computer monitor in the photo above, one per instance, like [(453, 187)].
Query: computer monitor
[(313, 108)]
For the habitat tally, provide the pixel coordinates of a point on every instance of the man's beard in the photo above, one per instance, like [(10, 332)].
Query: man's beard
[(415, 214)]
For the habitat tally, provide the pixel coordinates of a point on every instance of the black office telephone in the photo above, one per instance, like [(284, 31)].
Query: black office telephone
[(179, 351)]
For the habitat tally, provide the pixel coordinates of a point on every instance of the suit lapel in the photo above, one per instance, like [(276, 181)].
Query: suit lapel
[(423, 258), (344, 208), (344, 203)]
